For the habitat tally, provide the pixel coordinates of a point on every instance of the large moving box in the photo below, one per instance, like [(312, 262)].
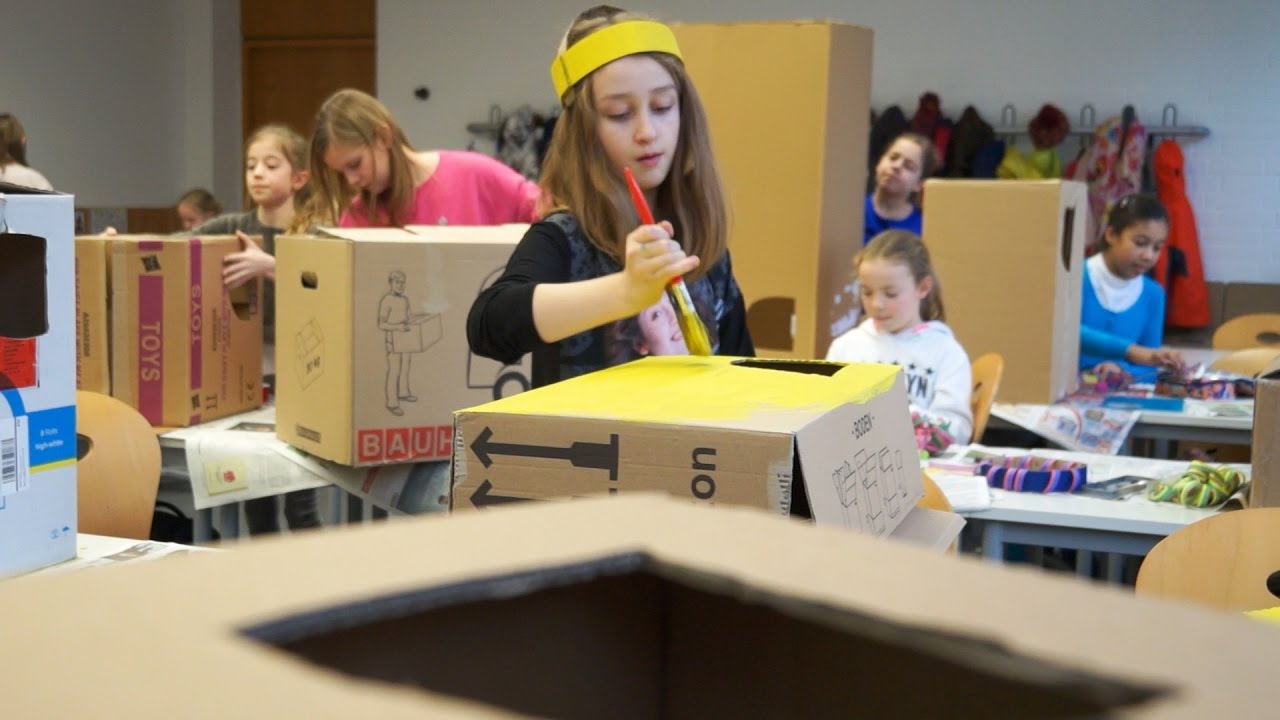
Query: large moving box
[(1010, 256), (823, 440), (631, 608), (789, 105), (37, 380), (184, 349), (371, 351), (93, 314)]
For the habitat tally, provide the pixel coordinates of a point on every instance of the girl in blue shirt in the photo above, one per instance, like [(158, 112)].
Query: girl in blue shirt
[(900, 175), (1122, 310)]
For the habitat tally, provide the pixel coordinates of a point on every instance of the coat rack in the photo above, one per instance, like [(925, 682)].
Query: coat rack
[(1168, 126)]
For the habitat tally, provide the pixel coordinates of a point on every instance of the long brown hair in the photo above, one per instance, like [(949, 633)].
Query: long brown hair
[(904, 246), (352, 118), (577, 175), (13, 149)]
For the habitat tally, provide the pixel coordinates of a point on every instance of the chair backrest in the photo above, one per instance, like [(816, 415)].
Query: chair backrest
[(1248, 331), (1250, 361), (933, 498), (118, 470), (987, 371), (1223, 561)]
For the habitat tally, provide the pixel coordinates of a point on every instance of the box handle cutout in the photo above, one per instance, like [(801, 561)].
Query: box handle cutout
[(244, 300), (807, 367), (309, 280), (1068, 236), (23, 286), (1268, 337)]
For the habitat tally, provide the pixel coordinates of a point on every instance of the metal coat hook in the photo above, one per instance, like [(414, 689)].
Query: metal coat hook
[(1169, 115)]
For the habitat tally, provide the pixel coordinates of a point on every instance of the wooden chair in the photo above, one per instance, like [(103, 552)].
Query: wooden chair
[(987, 371), (1250, 361), (1223, 561), (1248, 331), (933, 498), (118, 470)]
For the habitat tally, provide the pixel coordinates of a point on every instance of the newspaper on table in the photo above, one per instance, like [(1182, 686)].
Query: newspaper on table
[(1073, 425), (407, 489), (104, 551), (240, 462)]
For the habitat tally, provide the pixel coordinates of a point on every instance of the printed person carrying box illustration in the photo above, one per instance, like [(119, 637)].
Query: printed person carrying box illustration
[(406, 334)]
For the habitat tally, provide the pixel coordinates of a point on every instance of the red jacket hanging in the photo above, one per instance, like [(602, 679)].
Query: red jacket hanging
[(1179, 268)]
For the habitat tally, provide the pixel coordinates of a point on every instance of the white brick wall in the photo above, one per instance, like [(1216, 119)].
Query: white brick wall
[(1218, 62)]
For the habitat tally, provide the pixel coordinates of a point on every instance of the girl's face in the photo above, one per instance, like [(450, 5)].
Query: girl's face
[(899, 170), (661, 330), (191, 216), (890, 295), (269, 176), (1133, 251), (638, 122), (364, 167)]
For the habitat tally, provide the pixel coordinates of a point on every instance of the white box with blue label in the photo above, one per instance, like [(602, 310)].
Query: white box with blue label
[(37, 380)]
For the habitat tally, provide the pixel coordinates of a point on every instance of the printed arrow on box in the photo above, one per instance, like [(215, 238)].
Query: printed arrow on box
[(483, 496), (599, 456)]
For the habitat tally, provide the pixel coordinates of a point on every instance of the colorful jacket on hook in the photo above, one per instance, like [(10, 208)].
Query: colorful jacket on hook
[(1178, 268), (1112, 168)]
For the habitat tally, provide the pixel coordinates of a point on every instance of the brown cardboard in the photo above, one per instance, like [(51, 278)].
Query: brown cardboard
[(632, 607), (334, 358), (184, 350), (824, 440), (1009, 256), (794, 167), (1265, 478), (93, 314)]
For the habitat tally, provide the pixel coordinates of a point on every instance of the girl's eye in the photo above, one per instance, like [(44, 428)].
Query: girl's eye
[(663, 109), (618, 117)]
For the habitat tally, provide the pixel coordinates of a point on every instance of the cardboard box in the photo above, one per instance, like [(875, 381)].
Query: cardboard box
[(1264, 490), (822, 440), (1010, 256), (93, 314), (37, 380), (621, 608), (184, 350), (797, 224), (372, 353)]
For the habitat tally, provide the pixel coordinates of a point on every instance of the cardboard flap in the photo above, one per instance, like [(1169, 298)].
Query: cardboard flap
[(508, 233), (860, 464), (1272, 371), (932, 529), (379, 234), (644, 607)]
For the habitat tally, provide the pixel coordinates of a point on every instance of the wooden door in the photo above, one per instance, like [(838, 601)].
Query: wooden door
[(295, 53)]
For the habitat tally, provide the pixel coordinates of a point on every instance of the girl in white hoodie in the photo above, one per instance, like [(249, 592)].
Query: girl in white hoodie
[(903, 326)]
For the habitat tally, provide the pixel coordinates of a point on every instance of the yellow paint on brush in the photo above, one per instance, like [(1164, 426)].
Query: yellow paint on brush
[(687, 388)]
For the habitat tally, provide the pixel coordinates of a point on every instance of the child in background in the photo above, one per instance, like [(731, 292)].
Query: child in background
[(628, 103), (1122, 310), (275, 175), (368, 175), (900, 175), (904, 326), (196, 207), (13, 156)]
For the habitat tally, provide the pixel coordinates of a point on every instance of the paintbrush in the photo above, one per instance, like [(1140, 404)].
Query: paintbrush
[(691, 327)]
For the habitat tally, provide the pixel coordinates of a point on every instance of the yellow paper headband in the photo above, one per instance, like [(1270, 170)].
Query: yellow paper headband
[(606, 45)]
